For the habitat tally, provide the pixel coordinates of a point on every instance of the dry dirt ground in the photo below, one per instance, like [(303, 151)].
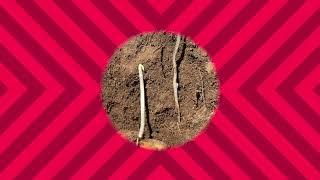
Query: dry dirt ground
[(198, 89)]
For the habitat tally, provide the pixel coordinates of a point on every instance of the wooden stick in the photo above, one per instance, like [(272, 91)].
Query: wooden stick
[(142, 104), (175, 77)]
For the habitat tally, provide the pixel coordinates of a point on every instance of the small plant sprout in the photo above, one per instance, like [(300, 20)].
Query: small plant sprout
[(142, 104), (175, 77)]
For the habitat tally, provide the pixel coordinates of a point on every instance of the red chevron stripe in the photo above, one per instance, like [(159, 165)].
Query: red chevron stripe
[(264, 51), (131, 164), (152, 162), (110, 166), (270, 84), (71, 149), (89, 10), (52, 89), (317, 90), (33, 89), (249, 91), (189, 15), (160, 21), (306, 89), (247, 32), (244, 15), (188, 164), (14, 89), (65, 41), (3, 89), (286, 89), (91, 156), (160, 7), (132, 14), (223, 18), (160, 171), (55, 108), (86, 25), (234, 153), (248, 148), (213, 170), (218, 155), (111, 13), (206, 15)]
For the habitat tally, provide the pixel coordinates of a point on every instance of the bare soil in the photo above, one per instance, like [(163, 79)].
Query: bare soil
[(198, 88)]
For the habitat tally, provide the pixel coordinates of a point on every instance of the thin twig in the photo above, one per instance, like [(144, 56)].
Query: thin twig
[(142, 104), (175, 77)]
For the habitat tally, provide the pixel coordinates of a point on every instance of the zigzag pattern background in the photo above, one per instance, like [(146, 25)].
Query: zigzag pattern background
[(53, 126)]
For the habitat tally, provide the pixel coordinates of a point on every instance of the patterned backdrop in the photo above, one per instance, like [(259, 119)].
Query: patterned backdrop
[(52, 55)]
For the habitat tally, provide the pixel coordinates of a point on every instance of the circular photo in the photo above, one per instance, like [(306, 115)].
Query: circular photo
[(160, 90)]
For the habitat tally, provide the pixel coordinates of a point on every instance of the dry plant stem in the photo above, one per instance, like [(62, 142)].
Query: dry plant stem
[(175, 76), (142, 104)]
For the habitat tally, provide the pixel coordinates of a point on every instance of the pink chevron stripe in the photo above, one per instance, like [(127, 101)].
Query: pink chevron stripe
[(131, 164), (248, 148), (133, 16), (102, 23), (160, 171), (163, 20), (282, 53), (282, 146), (260, 146), (63, 58), (62, 123), (61, 37), (96, 53), (44, 118), (73, 147), (115, 162), (47, 151), (86, 152), (220, 157), (96, 160), (210, 166), (188, 163), (189, 15), (317, 89), (160, 6), (33, 89), (13, 64), (52, 91), (224, 36), (270, 84), (287, 90), (110, 12), (257, 137), (151, 163), (3, 89), (258, 39), (87, 26), (270, 47), (306, 90), (220, 21), (271, 44), (234, 153), (14, 92), (246, 32), (214, 8)]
